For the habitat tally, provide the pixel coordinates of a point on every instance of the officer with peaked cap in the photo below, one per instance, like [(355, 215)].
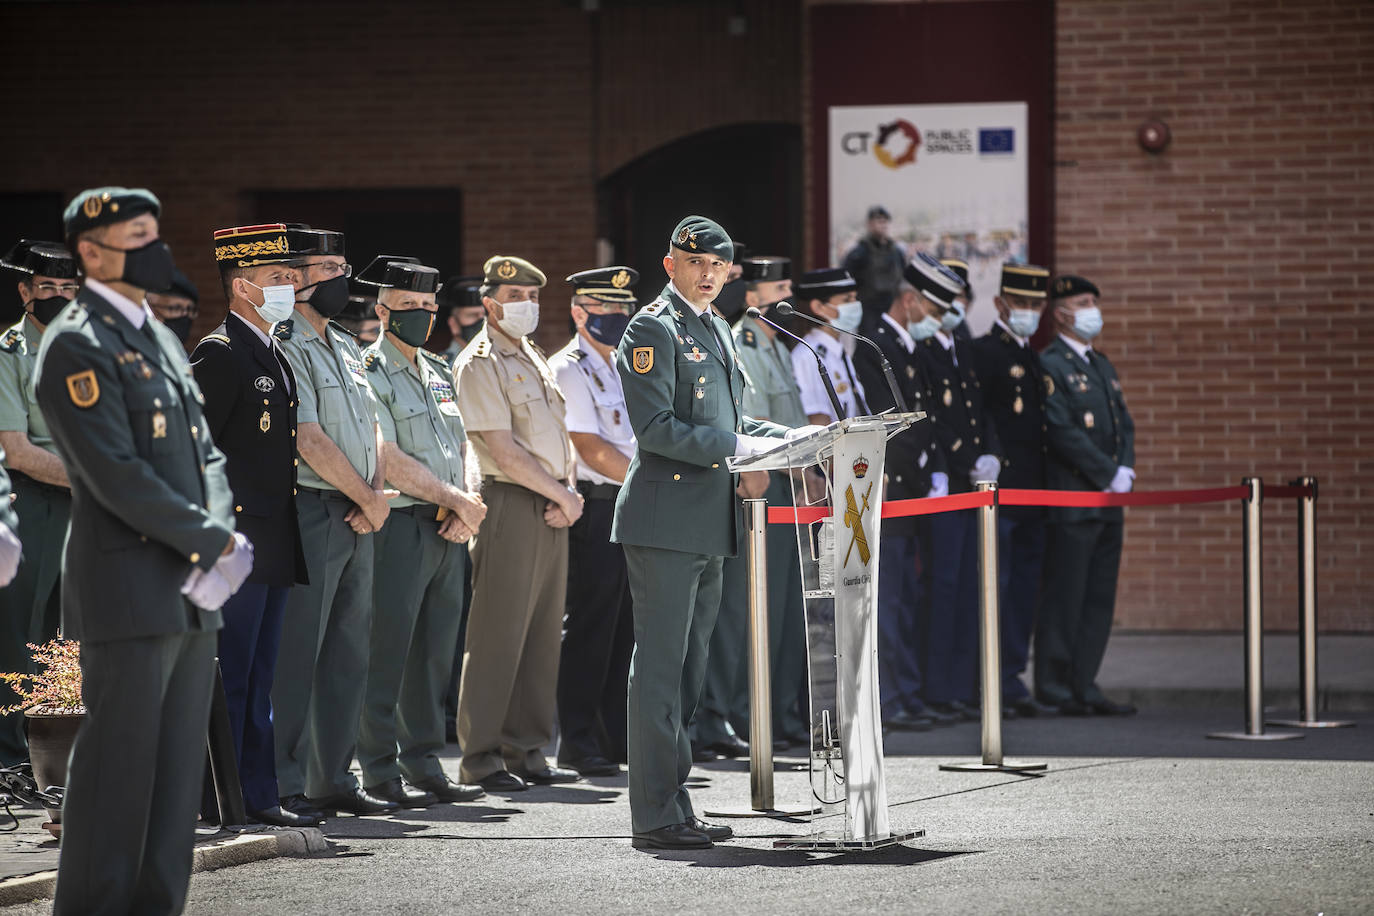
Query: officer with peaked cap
[(1013, 391), (971, 452), (513, 409), (676, 517), (177, 306), (317, 696), (418, 585), (152, 533), (963, 301), (250, 408), (828, 295), (31, 605), (598, 632), (1091, 439), (461, 311)]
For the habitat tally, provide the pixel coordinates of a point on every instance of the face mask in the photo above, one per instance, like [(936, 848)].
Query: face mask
[(469, 331), (521, 318), (851, 313), (181, 327), (147, 267), (412, 326), (730, 302), (924, 328), (278, 302), (1023, 322), (950, 320), (609, 328), (45, 310), (1087, 323), (329, 296)]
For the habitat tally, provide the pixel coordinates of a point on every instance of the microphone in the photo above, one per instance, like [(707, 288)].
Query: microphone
[(820, 366), (785, 309)]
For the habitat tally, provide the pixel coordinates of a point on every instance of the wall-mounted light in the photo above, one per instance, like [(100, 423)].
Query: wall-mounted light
[(1153, 136)]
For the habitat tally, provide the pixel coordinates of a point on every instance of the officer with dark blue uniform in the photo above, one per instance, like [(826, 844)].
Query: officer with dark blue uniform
[(1009, 371), (250, 407)]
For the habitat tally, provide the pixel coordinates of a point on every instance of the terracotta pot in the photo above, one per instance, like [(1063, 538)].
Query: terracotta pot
[(50, 747)]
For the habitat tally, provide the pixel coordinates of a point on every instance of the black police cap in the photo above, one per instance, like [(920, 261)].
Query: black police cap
[(47, 259)]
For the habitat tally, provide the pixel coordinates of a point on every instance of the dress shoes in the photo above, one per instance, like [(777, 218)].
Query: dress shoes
[(731, 747), (297, 805), (703, 754), (674, 836), (1105, 707), (592, 765), (277, 816), (1074, 708), (446, 790), (549, 776), (958, 712), (359, 802), (1029, 707), (394, 790), (907, 721), (714, 832), (938, 716), (502, 781)]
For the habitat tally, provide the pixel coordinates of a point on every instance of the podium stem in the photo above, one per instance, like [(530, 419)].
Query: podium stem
[(760, 678)]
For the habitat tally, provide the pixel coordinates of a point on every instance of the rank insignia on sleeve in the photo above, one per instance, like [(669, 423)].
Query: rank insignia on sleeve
[(643, 360), (83, 388)]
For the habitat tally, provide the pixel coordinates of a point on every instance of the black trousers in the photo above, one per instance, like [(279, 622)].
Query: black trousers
[(1079, 598), (598, 640), (1021, 555)]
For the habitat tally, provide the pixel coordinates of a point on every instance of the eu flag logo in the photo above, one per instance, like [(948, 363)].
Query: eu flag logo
[(996, 140)]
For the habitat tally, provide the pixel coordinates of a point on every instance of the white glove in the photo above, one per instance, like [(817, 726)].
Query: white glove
[(235, 565), (1122, 482), (208, 590), (754, 445), (987, 467), (939, 484), (10, 552), (802, 431)]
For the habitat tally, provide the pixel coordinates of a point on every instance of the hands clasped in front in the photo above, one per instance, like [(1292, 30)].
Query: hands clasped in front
[(564, 511)]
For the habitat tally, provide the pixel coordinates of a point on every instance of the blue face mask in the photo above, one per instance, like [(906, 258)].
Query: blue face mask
[(850, 315), (1023, 322), (951, 319), (924, 328), (608, 328), (1087, 323)]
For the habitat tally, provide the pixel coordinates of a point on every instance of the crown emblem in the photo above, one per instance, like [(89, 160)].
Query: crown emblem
[(620, 280), (860, 467), (506, 270)]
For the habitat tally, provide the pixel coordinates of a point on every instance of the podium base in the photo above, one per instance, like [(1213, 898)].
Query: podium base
[(1006, 766), (1246, 736), (783, 812), (836, 844), (1303, 723)]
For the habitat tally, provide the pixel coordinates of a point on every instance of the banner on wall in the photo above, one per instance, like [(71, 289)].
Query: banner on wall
[(954, 178)]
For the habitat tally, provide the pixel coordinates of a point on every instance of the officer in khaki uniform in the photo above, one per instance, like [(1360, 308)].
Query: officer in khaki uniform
[(513, 411), (418, 585), (30, 606), (676, 517)]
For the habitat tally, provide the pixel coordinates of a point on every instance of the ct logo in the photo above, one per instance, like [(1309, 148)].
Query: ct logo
[(906, 156)]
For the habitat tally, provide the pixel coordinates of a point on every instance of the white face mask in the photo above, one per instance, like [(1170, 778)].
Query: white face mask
[(278, 302), (1023, 322), (851, 313), (521, 318), (951, 319), (1088, 322), (924, 328)]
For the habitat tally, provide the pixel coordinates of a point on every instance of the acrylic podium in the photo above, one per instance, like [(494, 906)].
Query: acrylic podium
[(838, 526)]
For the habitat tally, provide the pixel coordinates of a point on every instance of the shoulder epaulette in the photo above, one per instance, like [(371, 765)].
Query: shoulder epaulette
[(577, 355), (820, 348), (371, 360), (284, 329), (11, 341), (1006, 338), (653, 308), (537, 349), (437, 359), (222, 338), (749, 338), (481, 350)]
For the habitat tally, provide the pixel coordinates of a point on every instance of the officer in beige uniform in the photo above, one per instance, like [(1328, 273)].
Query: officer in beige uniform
[(513, 410)]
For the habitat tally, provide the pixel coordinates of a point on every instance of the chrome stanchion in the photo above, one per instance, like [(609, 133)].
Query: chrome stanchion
[(990, 653), (1307, 614), (1254, 623)]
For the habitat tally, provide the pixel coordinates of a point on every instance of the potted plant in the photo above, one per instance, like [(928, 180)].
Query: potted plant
[(51, 702)]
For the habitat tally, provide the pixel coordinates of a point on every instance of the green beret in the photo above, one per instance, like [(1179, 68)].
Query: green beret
[(701, 235), (1067, 285), (505, 268), (1025, 280), (103, 206)]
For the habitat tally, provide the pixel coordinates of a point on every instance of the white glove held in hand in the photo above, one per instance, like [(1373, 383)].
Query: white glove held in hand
[(1123, 481), (987, 467), (801, 431), (235, 565), (208, 590), (939, 484), (754, 445), (10, 552)]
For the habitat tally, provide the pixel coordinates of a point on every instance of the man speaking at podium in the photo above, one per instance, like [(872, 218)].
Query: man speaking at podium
[(676, 518)]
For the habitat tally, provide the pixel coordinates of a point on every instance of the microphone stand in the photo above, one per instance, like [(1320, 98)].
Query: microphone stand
[(785, 309), (820, 366)]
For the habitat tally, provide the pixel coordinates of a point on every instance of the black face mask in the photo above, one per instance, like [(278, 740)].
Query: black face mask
[(469, 331), (412, 326), (730, 302), (45, 310), (180, 326), (147, 267), (330, 296)]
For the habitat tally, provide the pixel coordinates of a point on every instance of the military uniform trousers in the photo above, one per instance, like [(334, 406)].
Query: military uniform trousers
[(900, 622), (416, 614), (1020, 556), (317, 695), (598, 636), (676, 599), (134, 784), (31, 605), (951, 634), (1082, 560), (510, 662)]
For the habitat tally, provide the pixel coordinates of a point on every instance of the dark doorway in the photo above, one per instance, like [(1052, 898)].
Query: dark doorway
[(747, 177), (26, 215)]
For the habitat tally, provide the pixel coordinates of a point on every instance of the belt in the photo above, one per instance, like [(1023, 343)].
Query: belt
[(488, 480), (16, 476), (337, 495), (427, 511), (598, 490)]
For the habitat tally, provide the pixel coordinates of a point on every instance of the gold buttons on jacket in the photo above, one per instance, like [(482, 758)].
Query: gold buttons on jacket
[(195, 430), (677, 476), (238, 508), (702, 380), (195, 558), (715, 465)]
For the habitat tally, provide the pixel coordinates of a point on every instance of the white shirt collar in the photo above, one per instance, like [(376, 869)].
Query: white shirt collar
[(678, 293), (945, 341), (1014, 336), (1077, 346), (137, 313), (254, 328), (907, 340)]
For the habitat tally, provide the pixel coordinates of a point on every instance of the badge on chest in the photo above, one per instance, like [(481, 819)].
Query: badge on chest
[(355, 368), (442, 392)]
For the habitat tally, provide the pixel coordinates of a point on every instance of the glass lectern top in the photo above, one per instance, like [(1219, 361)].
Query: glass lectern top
[(818, 446)]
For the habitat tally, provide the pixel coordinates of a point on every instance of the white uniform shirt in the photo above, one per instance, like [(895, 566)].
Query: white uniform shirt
[(595, 402), (842, 376)]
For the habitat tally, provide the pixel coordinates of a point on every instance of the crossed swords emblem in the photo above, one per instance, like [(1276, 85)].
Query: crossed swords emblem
[(854, 521)]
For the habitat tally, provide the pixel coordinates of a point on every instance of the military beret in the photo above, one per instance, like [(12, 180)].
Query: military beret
[(307, 242), (104, 206), (460, 292), (1025, 280), (960, 268), (1067, 285), (934, 280), (763, 270), (614, 284), (388, 271), (878, 211), (182, 287), (504, 268), (824, 283), (700, 235), (249, 246), (48, 259)]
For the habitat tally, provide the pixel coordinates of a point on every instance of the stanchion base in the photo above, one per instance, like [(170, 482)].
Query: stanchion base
[(1006, 766), (1303, 723), (783, 812), (829, 844), (1265, 736)]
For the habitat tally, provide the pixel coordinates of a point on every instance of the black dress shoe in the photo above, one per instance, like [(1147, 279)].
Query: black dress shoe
[(297, 805), (279, 817), (502, 781), (716, 832), (908, 722), (549, 776), (939, 716), (674, 836), (592, 765), (956, 711), (446, 790), (703, 755), (970, 713), (1029, 707), (731, 747), (1009, 712), (1074, 708), (393, 790), (1105, 707), (359, 802)]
